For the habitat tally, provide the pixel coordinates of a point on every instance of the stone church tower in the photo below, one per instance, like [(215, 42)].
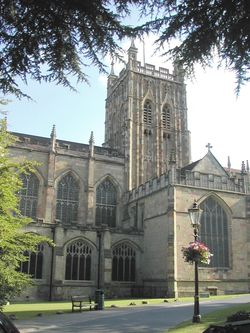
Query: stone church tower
[(146, 119)]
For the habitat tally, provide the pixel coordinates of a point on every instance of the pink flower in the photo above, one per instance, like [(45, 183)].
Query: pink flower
[(197, 251)]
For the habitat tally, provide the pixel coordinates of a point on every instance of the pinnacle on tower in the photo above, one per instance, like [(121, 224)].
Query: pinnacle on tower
[(229, 164), (91, 139), (132, 51), (112, 72), (243, 168), (53, 138), (91, 144), (53, 132), (133, 43)]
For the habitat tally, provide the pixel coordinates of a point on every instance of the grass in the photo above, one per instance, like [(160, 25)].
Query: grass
[(29, 309), (216, 317)]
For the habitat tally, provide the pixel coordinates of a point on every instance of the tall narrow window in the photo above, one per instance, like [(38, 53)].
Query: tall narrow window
[(166, 117), (78, 261), (67, 199), (214, 231), (147, 113), (106, 200), (123, 263), (34, 263), (29, 195)]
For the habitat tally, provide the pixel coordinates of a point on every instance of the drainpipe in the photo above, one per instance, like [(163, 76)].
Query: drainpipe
[(53, 229)]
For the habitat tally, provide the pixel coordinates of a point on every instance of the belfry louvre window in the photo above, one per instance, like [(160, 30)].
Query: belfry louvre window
[(123, 263), (166, 117), (29, 195), (214, 232), (67, 199), (147, 113), (34, 264), (78, 261), (106, 200)]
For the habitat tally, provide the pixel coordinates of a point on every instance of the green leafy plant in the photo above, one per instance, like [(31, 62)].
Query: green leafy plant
[(14, 241)]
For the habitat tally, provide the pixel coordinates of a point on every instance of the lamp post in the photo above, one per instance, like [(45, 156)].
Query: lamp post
[(99, 294), (99, 236), (195, 216)]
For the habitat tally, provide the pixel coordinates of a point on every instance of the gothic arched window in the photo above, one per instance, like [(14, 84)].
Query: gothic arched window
[(147, 113), (214, 232), (67, 199), (106, 200), (29, 195), (34, 264), (123, 263), (78, 261), (166, 117)]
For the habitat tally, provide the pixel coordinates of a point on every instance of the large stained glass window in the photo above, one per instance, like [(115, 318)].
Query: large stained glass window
[(214, 231)]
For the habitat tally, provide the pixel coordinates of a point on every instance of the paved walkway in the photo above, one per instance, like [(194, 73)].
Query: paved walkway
[(148, 318)]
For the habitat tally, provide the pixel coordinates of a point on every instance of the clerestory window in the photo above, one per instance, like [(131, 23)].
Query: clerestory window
[(106, 201), (29, 195), (67, 199)]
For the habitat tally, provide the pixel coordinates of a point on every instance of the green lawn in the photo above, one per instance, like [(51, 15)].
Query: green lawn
[(30, 309)]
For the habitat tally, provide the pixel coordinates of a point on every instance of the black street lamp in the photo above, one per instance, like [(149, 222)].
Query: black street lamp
[(195, 216)]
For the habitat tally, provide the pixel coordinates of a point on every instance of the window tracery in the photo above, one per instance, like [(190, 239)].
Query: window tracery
[(29, 195), (106, 201), (123, 263), (78, 261), (214, 232), (34, 264), (67, 199)]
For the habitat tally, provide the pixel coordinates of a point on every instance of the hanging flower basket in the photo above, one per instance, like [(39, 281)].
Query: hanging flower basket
[(197, 251)]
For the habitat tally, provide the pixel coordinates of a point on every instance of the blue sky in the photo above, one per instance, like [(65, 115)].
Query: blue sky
[(215, 114)]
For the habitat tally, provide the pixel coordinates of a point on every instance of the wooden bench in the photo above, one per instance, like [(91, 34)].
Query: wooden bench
[(82, 302)]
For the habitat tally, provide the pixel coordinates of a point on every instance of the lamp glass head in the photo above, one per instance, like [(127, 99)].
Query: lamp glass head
[(195, 215)]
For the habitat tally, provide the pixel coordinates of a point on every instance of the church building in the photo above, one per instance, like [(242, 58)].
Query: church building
[(118, 213)]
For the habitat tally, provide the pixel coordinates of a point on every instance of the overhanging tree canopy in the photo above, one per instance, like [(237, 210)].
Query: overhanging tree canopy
[(53, 40), (205, 29)]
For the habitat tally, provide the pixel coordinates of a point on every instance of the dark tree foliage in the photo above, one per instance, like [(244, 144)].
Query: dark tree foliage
[(54, 40), (206, 29), (51, 40)]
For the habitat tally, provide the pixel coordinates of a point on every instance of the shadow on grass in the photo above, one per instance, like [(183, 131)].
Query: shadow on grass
[(213, 318)]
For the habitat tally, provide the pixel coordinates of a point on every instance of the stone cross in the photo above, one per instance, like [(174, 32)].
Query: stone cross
[(209, 146)]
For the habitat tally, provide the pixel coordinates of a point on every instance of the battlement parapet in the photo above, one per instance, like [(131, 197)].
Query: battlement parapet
[(148, 69), (193, 179)]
